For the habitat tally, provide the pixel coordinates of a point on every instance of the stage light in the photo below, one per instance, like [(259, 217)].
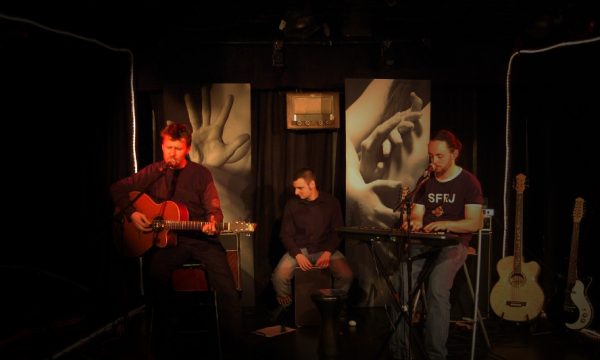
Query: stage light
[(299, 25), (387, 56), (277, 57)]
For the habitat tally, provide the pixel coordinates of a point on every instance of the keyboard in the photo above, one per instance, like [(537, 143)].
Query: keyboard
[(438, 239)]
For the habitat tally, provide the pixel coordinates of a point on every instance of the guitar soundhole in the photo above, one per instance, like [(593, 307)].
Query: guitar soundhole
[(158, 224), (517, 280)]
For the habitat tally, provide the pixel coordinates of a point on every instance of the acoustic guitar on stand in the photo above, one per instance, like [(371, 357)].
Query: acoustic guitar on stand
[(517, 296), (577, 308), (165, 216)]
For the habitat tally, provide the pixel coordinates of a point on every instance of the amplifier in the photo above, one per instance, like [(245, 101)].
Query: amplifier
[(240, 255)]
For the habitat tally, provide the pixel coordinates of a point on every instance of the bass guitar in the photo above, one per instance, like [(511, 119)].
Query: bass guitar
[(517, 296), (577, 307), (165, 216)]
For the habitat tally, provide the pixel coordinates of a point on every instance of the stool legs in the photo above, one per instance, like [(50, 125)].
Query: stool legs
[(479, 318), (187, 319), (475, 294)]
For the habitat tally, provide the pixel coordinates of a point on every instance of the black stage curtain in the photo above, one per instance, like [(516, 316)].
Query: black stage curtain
[(66, 130), (554, 115)]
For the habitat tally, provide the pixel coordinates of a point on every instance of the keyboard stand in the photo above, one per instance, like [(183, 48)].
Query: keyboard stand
[(406, 312), (406, 308), (380, 271), (403, 241)]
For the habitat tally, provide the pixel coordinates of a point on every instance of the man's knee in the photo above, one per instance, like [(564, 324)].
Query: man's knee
[(341, 268)]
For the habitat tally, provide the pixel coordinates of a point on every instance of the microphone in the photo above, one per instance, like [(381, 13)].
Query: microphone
[(403, 194), (170, 164), (428, 171), (425, 176), (406, 194)]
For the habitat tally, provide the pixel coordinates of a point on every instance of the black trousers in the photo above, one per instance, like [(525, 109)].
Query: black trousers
[(160, 264)]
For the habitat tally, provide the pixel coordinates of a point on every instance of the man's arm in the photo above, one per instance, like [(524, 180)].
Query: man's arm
[(334, 240), (287, 237), (288, 230), (416, 218), (212, 203), (120, 189), (471, 223)]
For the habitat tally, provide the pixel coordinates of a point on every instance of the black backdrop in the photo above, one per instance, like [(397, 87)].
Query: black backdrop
[(65, 124), (553, 120)]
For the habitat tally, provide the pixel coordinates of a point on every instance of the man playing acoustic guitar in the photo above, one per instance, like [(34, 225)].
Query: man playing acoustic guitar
[(191, 186)]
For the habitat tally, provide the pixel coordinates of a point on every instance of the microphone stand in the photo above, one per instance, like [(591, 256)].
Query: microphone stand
[(406, 307), (119, 214), (119, 217)]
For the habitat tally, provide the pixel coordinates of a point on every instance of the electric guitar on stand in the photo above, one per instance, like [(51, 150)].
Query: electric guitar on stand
[(577, 308), (517, 296), (165, 217)]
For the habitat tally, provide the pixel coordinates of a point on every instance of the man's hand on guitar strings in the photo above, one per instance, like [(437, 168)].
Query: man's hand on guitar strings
[(210, 228), (141, 221)]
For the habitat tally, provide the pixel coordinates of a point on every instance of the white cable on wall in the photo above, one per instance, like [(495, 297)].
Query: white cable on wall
[(97, 42), (507, 125)]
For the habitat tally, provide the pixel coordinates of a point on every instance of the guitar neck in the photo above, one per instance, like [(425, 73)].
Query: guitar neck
[(193, 225), (518, 250), (577, 215), (572, 277), (235, 226)]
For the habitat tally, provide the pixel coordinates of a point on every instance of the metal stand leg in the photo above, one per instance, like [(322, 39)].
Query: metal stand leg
[(380, 270), (475, 295), (406, 309)]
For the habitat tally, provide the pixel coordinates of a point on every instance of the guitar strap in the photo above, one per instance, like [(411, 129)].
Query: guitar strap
[(173, 185), (172, 236)]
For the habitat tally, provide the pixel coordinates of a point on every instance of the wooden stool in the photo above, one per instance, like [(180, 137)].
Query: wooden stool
[(197, 328), (330, 303), (190, 277)]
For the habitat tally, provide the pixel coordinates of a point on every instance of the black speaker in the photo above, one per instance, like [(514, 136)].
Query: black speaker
[(230, 243), (461, 300)]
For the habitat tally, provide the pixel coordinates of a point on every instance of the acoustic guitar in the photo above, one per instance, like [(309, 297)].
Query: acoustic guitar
[(577, 308), (517, 296), (165, 216)]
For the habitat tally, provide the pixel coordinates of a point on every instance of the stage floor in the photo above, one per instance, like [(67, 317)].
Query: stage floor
[(367, 340)]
